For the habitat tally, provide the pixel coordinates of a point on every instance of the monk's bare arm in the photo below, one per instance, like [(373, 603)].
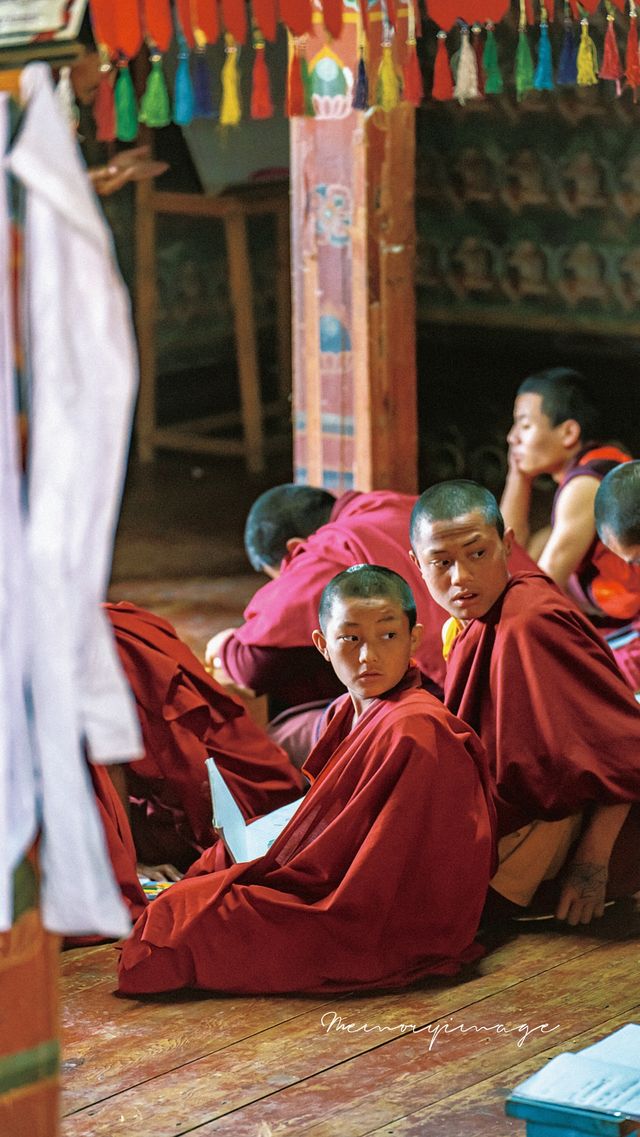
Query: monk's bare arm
[(119, 778), (573, 530), (585, 880), (516, 503)]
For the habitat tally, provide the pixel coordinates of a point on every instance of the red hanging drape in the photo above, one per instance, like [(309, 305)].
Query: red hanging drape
[(264, 14), (332, 15), (158, 24), (296, 14), (206, 16), (234, 17)]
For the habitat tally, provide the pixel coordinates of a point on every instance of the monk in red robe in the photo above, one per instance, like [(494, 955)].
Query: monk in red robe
[(186, 716), (562, 729), (554, 424), (617, 516), (301, 537), (156, 812), (379, 878)]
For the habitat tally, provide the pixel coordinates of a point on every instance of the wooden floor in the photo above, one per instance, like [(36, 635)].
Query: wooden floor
[(265, 1067), (256, 1067)]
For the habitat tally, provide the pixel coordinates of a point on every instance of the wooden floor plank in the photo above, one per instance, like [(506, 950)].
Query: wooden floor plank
[(110, 1043), (479, 1110), (382, 1080)]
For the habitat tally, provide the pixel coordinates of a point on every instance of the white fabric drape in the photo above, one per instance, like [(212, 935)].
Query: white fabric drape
[(82, 371)]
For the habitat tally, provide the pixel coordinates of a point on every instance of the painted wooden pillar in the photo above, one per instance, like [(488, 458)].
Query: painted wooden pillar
[(353, 252)]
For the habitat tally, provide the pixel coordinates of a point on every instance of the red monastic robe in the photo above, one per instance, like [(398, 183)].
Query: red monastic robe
[(186, 716), (377, 881), (561, 727), (364, 528)]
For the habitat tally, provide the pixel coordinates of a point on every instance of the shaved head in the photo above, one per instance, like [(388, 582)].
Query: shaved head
[(367, 582), (617, 505), (448, 500)]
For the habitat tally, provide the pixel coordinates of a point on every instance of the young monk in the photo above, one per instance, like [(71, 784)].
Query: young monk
[(301, 536), (617, 512), (554, 422), (379, 878), (617, 517), (532, 676)]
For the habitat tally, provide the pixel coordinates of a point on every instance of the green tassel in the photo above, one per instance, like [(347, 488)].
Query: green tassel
[(125, 106), (306, 84), (493, 84), (154, 104), (524, 65)]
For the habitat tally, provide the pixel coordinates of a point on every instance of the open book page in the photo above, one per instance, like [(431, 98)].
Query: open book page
[(589, 1080), (244, 842)]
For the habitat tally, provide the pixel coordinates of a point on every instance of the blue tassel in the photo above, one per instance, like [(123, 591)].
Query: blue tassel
[(183, 89), (543, 78), (361, 90), (567, 73), (203, 98)]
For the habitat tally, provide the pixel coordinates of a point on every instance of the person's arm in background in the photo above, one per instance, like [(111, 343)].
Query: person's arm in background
[(573, 530)]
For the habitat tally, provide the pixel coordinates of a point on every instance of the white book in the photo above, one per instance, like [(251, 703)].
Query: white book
[(244, 841), (605, 1076)]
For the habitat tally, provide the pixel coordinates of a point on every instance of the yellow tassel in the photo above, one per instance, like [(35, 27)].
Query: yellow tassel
[(230, 109), (587, 58), (388, 93)]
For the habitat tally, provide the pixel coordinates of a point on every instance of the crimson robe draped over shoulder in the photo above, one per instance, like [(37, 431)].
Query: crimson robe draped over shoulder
[(365, 528), (377, 881), (536, 681)]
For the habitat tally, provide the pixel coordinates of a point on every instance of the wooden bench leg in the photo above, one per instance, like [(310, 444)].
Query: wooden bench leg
[(245, 336)]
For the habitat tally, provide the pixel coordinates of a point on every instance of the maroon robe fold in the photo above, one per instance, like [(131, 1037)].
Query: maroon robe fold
[(377, 881), (186, 716), (368, 528), (560, 725)]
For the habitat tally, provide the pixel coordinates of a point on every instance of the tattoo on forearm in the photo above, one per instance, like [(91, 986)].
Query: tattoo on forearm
[(587, 878)]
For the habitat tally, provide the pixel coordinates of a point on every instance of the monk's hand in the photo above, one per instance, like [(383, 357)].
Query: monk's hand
[(583, 892), (162, 873), (212, 660)]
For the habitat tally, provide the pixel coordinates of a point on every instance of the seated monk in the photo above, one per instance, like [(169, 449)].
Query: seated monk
[(379, 878), (301, 537), (156, 812), (531, 675), (554, 421), (617, 517)]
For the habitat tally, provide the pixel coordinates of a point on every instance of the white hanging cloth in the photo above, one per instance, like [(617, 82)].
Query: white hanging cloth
[(81, 361)]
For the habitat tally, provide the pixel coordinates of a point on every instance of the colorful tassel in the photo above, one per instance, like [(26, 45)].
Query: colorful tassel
[(587, 58), (442, 89), (567, 73), (467, 74), (307, 88), (478, 51), (230, 107), (261, 104), (295, 85), (361, 88), (183, 96), (611, 66), (155, 109), (202, 94), (524, 65), (66, 98), (493, 84), (104, 111), (388, 88), (413, 88), (125, 105), (543, 76), (632, 63)]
